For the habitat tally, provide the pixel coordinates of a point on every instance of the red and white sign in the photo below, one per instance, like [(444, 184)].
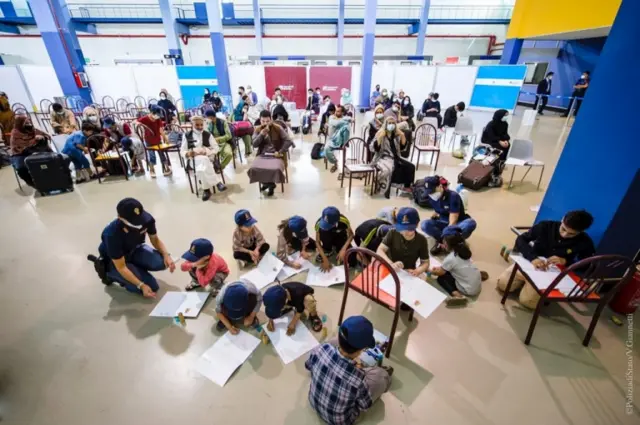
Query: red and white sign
[(331, 80), (291, 80)]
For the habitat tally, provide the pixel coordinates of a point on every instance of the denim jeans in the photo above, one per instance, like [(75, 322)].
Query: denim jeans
[(77, 157), (162, 155), (140, 261), (439, 228), (330, 155)]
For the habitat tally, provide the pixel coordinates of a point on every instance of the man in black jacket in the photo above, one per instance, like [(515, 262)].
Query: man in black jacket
[(543, 91), (550, 243)]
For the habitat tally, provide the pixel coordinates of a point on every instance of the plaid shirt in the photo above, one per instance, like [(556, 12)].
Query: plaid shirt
[(247, 240), (338, 391)]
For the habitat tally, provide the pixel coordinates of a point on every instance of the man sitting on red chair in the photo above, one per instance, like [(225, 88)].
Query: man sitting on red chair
[(550, 243)]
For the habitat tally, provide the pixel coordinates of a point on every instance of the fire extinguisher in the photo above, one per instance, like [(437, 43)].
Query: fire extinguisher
[(628, 297)]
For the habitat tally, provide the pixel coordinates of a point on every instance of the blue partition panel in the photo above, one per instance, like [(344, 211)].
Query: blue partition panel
[(193, 80), (497, 87)]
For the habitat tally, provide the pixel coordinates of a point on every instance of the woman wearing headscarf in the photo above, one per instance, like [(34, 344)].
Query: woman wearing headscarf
[(166, 103), (26, 140), (407, 112), (6, 115), (92, 115), (392, 168), (376, 123), (496, 133), (216, 101), (206, 98)]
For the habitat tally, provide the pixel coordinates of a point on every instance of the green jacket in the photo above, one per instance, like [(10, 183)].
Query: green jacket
[(214, 129)]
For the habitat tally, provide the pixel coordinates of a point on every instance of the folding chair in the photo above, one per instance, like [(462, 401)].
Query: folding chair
[(426, 140), (579, 283), (521, 155), (355, 160), (464, 127), (367, 284), (191, 167)]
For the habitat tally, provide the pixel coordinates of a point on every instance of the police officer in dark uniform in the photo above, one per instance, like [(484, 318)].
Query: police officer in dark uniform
[(449, 217), (579, 90), (124, 256), (333, 234)]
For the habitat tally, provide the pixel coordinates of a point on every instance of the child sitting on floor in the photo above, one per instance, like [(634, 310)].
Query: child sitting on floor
[(280, 299), (293, 237), (333, 235), (458, 275), (207, 270), (237, 302), (249, 245), (341, 389)]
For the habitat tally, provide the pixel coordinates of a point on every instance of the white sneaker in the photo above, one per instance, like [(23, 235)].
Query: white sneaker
[(153, 172), (241, 264)]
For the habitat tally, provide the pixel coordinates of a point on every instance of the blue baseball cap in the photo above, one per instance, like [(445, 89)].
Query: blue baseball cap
[(210, 113), (274, 300), (407, 218), (108, 122), (330, 218), (357, 331), (244, 218), (199, 248), (131, 210), (298, 226), (235, 300), (431, 183), (155, 109)]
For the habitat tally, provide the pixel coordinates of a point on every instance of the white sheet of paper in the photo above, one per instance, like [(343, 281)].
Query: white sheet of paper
[(534, 208), (187, 303), (317, 277), (415, 292), (226, 355), (287, 271), (266, 271), (544, 278), (289, 348)]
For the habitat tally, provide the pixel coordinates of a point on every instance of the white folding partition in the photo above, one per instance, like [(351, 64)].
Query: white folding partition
[(114, 81), (454, 84), (247, 75), (14, 87), (41, 82), (150, 79), (383, 75), (416, 81)]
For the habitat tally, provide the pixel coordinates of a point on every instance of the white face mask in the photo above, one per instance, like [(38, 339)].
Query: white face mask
[(384, 93), (584, 77), (406, 102), (197, 132), (435, 195), (249, 90), (93, 118), (379, 116), (133, 226), (394, 108), (163, 97), (505, 119), (391, 127)]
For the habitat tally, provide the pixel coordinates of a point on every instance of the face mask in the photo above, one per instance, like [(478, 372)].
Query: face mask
[(379, 116), (391, 127), (163, 97), (133, 226), (197, 132), (384, 93), (60, 113), (584, 77), (435, 195), (406, 102), (248, 90), (394, 108), (215, 96), (155, 117), (346, 93), (326, 102), (93, 118), (504, 119)]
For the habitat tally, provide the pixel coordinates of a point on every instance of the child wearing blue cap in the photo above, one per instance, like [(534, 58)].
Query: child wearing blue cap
[(280, 299), (334, 235), (370, 233), (207, 269), (293, 237), (341, 389), (249, 245), (237, 302), (403, 246)]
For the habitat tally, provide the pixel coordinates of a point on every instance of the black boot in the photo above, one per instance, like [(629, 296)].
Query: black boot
[(100, 268), (206, 195)]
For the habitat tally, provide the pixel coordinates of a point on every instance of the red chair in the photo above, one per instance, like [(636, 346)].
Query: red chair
[(426, 140), (589, 276), (367, 284)]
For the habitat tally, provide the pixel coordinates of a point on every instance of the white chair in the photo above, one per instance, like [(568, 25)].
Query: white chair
[(521, 155), (464, 127)]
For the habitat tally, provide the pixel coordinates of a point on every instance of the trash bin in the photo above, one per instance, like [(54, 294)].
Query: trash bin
[(628, 297)]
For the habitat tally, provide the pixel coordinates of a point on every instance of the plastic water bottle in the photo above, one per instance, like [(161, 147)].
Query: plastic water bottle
[(459, 187)]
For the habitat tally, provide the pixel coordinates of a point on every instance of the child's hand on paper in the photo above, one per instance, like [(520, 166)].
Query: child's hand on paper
[(414, 272), (558, 261), (306, 255), (539, 264), (398, 265), (296, 266), (325, 266), (233, 330), (291, 329)]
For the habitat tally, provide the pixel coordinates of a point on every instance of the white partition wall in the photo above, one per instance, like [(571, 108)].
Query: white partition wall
[(41, 82), (247, 75), (454, 84), (114, 81), (383, 75), (416, 81), (14, 87), (355, 85), (150, 79)]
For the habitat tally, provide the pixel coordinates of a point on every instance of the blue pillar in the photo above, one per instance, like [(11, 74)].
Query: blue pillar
[(605, 182), (422, 31), (219, 52), (511, 51), (367, 51), (257, 25), (59, 36), (341, 32), (172, 29)]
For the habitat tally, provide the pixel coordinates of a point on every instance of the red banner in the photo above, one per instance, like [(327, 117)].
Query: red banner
[(292, 81), (331, 80)]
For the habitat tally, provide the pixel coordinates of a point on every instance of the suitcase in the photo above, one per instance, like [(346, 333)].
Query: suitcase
[(241, 128), (50, 172), (477, 175)]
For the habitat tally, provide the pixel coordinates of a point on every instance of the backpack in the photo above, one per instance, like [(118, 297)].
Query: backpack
[(316, 151), (419, 116), (420, 194)]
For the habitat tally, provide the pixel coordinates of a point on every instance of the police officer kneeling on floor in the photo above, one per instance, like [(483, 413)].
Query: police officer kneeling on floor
[(124, 256), (449, 218)]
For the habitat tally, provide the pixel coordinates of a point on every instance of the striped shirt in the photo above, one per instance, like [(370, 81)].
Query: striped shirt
[(247, 240)]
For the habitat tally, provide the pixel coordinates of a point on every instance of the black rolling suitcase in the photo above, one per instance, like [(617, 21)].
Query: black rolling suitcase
[(50, 172)]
